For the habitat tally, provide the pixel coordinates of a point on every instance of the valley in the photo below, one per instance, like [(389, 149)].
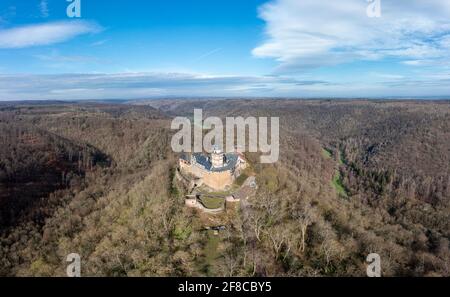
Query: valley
[(354, 177)]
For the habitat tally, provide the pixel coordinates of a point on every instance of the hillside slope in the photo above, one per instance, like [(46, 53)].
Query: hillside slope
[(354, 177)]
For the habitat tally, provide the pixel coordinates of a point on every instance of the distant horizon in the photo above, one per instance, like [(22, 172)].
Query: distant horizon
[(121, 100), (252, 48)]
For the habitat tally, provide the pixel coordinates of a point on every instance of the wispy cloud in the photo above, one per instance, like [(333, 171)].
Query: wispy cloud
[(45, 34), (99, 42), (148, 85), (7, 14), (43, 7), (207, 54), (314, 33), (141, 85), (57, 58), (387, 75)]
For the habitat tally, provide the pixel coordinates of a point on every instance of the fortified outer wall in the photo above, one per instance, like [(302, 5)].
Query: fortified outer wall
[(215, 180), (192, 169), (218, 180)]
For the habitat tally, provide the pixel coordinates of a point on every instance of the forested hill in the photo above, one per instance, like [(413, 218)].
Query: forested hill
[(35, 163), (354, 177)]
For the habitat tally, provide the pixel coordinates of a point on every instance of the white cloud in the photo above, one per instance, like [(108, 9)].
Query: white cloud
[(312, 33), (44, 34)]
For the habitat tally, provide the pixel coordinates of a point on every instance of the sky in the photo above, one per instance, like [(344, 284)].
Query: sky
[(224, 48)]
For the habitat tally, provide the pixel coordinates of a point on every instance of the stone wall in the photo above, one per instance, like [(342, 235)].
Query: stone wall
[(192, 169), (194, 203), (218, 180), (215, 180)]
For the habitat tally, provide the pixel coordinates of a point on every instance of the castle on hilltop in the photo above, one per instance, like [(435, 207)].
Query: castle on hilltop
[(217, 170)]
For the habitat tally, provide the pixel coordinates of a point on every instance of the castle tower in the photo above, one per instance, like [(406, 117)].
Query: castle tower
[(217, 158)]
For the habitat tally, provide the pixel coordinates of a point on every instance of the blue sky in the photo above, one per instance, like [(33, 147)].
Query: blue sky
[(294, 48)]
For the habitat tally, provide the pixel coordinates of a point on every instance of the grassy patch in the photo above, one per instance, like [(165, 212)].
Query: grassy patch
[(341, 158), (174, 192), (182, 233), (338, 185), (241, 179), (212, 202), (210, 253), (327, 153), (218, 193), (211, 247), (268, 178)]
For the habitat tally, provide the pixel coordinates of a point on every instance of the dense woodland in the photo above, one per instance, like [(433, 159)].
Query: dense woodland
[(354, 178)]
